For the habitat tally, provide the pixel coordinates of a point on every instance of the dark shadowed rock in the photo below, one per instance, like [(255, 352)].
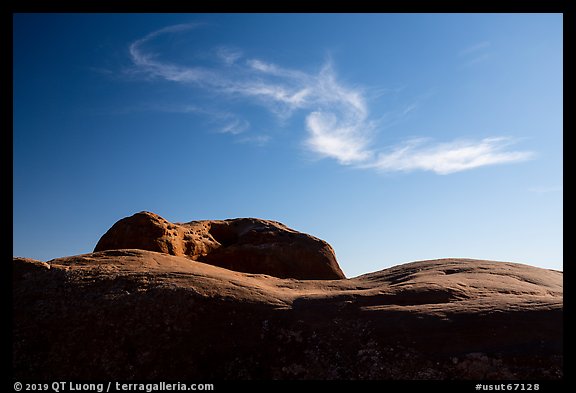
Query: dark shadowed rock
[(23, 266), (247, 245), (135, 314)]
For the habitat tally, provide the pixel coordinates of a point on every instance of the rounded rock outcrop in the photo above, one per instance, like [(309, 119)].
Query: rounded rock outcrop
[(247, 245)]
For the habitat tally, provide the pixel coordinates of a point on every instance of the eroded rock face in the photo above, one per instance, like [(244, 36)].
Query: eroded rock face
[(247, 245), (141, 315)]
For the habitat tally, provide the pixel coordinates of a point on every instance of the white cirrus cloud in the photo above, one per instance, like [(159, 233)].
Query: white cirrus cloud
[(334, 137), (475, 48), (447, 157), (476, 53), (147, 62), (337, 121), (228, 55)]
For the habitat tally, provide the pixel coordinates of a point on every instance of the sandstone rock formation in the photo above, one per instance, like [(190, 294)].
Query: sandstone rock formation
[(247, 245), (135, 314)]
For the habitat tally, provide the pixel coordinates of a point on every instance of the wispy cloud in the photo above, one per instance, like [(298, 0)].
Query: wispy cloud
[(235, 126), (475, 48), (228, 55), (448, 157), (337, 119), (476, 53)]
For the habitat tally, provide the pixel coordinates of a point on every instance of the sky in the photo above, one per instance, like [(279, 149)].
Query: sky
[(394, 137)]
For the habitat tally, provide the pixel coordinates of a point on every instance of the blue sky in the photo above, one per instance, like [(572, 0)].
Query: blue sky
[(394, 137)]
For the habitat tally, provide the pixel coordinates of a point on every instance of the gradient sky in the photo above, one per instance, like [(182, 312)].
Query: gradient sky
[(394, 137)]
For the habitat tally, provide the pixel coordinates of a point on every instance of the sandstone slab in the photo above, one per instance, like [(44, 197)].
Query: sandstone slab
[(132, 314)]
